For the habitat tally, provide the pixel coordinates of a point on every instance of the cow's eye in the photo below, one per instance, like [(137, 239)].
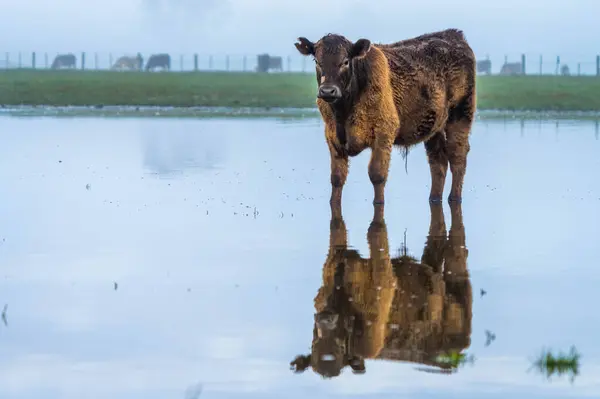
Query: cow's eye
[(345, 63)]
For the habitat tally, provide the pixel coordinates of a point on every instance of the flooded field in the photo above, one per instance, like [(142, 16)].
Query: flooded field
[(168, 258)]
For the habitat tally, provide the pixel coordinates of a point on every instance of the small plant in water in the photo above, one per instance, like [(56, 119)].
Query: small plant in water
[(453, 360), (560, 364)]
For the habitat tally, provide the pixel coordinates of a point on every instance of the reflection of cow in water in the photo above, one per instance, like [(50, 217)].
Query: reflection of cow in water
[(64, 61), (484, 66), (159, 61), (267, 62), (511, 68), (392, 309), (132, 63)]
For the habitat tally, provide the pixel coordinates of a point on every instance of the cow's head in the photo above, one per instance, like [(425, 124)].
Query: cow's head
[(335, 61), (329, 353)]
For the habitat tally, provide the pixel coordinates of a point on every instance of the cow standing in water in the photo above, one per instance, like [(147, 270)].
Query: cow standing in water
[(379, 95)]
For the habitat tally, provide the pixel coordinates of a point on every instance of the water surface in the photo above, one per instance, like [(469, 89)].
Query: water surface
[(146, 258)]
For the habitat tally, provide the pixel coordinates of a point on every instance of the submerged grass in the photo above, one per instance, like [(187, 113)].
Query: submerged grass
[(274, 90), (560, 364)]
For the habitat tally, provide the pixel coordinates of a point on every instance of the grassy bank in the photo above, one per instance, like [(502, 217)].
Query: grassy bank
[(223, 89)]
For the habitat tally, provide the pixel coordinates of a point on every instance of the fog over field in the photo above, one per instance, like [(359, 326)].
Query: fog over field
[(550, 27)]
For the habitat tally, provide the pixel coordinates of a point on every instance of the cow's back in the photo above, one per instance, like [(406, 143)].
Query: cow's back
[(435, 69)]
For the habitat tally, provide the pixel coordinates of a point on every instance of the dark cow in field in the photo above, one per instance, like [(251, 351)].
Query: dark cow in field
[(484, 66), (404, 93), (265, 62), (397, 309), (511, 68), (276, 63), (64, 61), (127, 62), (159, 61)]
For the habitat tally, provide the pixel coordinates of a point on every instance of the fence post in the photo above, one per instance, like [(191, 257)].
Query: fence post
[(245, 60), (210, 62), (227, 62), (557, 64), (196, 62), (46, 60), (523, 63), (598, 65), (82, 60), (33, 60)]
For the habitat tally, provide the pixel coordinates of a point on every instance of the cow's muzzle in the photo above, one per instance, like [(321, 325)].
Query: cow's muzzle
[(329, 93), (326, 321)]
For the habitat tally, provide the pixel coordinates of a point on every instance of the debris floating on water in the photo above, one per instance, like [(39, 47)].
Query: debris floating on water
[(4, 320)]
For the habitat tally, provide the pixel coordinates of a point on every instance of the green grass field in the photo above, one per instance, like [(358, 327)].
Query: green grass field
[(231, 89)]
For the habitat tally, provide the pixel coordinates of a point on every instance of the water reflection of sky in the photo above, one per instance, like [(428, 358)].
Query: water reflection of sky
[(226, 299), (167, 150)]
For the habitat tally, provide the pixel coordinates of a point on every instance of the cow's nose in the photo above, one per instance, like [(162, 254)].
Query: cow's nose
[(329, 91)]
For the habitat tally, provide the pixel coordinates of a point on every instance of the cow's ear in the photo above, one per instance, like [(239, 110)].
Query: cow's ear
[(305, 46), (361, 48), (300, 363)]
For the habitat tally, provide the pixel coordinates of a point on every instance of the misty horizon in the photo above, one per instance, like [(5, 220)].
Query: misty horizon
[(249, 27)]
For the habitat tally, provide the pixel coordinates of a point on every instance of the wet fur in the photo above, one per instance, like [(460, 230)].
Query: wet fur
[(398, 308), (404, 93)]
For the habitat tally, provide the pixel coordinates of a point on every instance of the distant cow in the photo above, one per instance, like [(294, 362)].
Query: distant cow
[(511, 68), (127, 62), (484, 66), (64, 61), (564, 70), (267, 62), (159, 61)]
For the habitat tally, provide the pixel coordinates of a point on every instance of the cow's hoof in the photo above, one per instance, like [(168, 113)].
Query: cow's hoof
[(435, 200), (456, 200)]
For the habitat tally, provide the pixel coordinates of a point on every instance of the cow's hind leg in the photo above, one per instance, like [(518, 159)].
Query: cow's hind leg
[(458, 129), (438, 164)]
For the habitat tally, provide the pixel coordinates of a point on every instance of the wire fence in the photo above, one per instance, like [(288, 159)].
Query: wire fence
[(510, 64)]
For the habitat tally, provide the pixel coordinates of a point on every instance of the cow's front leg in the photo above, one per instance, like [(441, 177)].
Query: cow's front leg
[(379, 166), (339, 173)]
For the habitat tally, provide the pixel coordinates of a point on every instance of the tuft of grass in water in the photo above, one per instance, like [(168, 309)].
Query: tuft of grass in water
[(453, 359), (560, 364), (264, 90)]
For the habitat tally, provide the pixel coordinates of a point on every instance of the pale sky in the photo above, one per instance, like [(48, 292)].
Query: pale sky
[(551, 27)]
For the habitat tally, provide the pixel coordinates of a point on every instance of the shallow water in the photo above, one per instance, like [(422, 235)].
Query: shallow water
[(163, 258)]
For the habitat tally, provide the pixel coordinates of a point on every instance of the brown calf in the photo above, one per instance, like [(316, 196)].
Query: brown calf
[(404, 93)]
